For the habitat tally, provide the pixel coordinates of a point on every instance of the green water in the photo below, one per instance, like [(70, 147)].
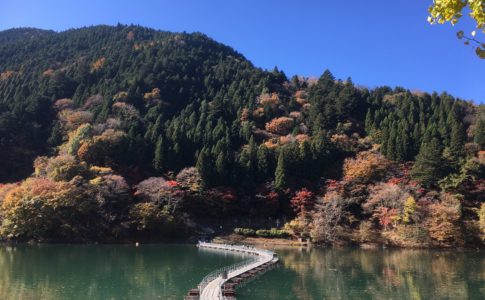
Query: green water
[(168, 271)]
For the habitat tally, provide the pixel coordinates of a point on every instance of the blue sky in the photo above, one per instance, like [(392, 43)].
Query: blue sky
[(376, 42)]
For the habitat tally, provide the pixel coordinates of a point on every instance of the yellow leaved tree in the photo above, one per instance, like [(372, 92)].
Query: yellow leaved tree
[(443, 11)]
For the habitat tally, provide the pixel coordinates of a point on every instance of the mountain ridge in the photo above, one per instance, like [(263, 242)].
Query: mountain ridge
[(110, 132)]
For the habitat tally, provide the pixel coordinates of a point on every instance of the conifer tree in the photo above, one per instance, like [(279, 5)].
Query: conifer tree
[(159, 156), (479, 133), (281, 171), (204, 166), (416, 140), (222, 166), (369, 121), (428, 167), (252, 147), (391, 143), (56, 135), (156, 129), (384, 139), (263, 163), (399, 154), (305, 160), (457, 140)]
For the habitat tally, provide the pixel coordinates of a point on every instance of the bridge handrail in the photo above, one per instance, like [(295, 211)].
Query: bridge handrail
[(239, 247), (258, 253), (217, 273)]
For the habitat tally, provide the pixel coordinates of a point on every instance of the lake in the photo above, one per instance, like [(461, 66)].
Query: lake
[(168, 271)]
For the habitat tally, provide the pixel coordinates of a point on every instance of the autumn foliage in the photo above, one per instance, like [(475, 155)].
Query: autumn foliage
[(143, 134), (280, 125), (271, 100), (366, 166), (42, 208), (98, 64), (302, 202)]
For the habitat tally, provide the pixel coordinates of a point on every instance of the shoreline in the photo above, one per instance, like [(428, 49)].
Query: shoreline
[(255, 241)]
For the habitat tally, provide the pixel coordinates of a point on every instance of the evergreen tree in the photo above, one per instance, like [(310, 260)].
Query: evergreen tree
[(457, 140), (222, 167), (479, 133), (156, 129), (384, 139), (391, 143), (399, 155), (369, 122), (56, 135), (263, 163), (305, 160), (416, 140), (281, 179), (204, 166), (159, 157), (428, 167), (252, 153)]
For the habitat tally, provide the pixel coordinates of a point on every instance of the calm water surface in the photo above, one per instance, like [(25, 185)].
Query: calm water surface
[(168, 271)]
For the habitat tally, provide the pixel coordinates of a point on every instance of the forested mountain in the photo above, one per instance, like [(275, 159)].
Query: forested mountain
[(127, 131), (15, 34)]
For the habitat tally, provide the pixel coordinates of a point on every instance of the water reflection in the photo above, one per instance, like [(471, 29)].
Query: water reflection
[(372, 274), (168, 271), (103, 272)]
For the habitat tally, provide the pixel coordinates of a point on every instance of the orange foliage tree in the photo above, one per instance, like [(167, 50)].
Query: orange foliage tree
[(271, 100), (41, 208), (154, 94), (101, 149), (365, 167), (98, 64), (443, 221), (280, 125), (300, 97), (5, 189), (73, 119)]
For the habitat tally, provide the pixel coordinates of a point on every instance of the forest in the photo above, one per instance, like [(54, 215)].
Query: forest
[(120, 133)]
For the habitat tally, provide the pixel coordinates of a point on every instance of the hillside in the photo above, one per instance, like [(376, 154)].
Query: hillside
[(110, 133), (18, 34)]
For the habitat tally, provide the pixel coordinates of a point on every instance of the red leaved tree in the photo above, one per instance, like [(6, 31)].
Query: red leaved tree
[(302, 202)]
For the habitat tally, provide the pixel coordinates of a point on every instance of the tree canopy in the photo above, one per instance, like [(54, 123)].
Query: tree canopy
[(442, 11), (110, 132)]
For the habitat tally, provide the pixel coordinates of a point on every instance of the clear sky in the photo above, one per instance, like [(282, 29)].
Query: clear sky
[(376, 42)]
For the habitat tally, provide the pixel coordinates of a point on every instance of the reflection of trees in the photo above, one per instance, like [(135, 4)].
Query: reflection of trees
[(149, 272), (103, 272), (385, 274)]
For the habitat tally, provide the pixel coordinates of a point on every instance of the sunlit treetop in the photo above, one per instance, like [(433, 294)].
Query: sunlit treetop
[(443, 11), (452, 10)]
